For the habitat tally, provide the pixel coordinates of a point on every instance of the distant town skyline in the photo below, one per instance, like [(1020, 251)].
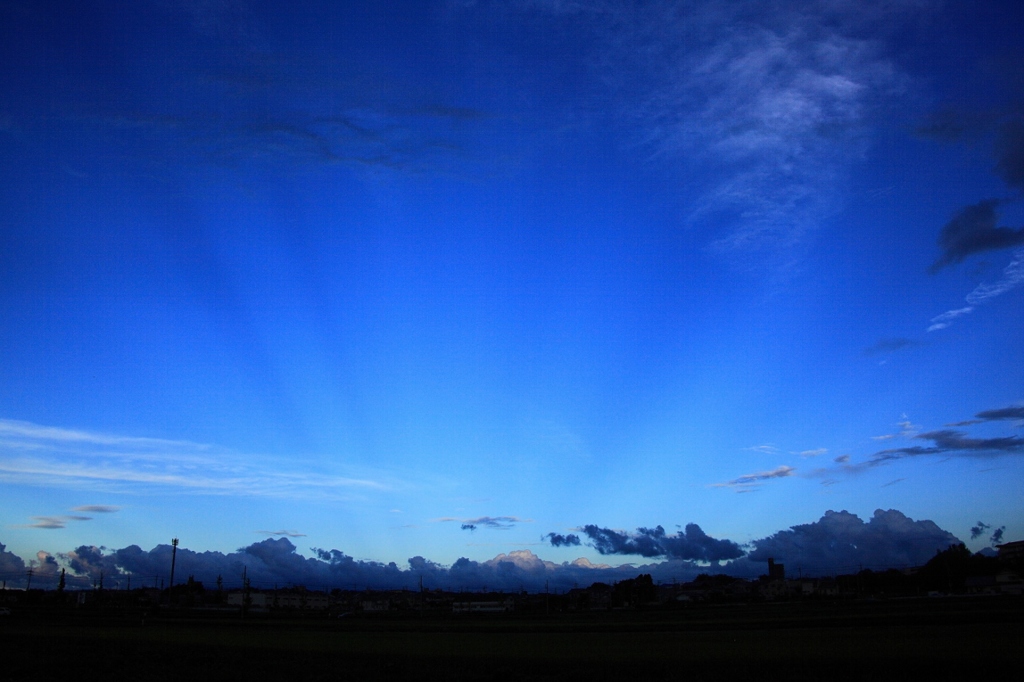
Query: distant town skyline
[(618, 282)]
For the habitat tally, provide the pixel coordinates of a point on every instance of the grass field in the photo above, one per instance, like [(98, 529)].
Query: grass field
[(944, 639)]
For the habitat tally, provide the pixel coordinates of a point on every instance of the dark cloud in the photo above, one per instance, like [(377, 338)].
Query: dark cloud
[(282, 533), (494, 522), (48, 522), (950, 441), (1002, 413), (973, 230), (275, 561), (979, 530), (97, 508), (746, 482), (982, 528), (557, 540), (890, 345), (997, 535), (692, 544), (840, 542), (842, 459), (55, 522), (88, 560), (11, 564), (235, 101), (501, 522)]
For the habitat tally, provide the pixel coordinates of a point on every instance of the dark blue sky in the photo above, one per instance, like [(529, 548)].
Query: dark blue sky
[(372, 272)]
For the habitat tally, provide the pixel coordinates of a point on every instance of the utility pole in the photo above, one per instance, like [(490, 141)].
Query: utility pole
[(29, 585), (246, 597), (174, 555)]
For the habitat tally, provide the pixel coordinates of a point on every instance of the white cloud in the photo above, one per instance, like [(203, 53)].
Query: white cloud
[(45, 456), (1013, 276), (908, 429), (13, 431), (945, 319), (777, 100)]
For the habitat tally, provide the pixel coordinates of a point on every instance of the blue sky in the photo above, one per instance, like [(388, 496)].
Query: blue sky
[(363, 275)]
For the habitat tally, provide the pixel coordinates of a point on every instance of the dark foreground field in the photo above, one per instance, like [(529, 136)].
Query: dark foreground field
[(915, 639)]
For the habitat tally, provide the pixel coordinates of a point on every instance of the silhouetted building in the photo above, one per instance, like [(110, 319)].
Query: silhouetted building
[(300, 599), (483, 606), (776, 571), (1011, 552), (256, 600)]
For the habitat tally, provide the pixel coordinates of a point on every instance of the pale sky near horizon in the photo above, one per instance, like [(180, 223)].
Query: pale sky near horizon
[(442, 278)]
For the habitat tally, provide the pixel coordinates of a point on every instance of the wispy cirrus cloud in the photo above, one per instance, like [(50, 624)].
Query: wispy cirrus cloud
[(21, 433), (46, 456), (1013, 276), (774, 101)]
